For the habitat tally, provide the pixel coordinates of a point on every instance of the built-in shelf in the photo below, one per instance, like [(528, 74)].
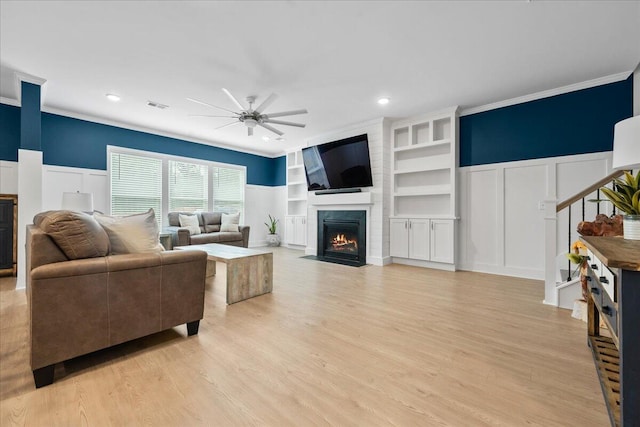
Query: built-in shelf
[(296, 187), (423, 145), (423, 198)]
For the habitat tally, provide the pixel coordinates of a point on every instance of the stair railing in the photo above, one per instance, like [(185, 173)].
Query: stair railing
[(552, 209)]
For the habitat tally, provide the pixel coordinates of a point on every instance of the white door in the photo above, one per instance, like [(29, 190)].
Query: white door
[(442, 240), (419, 239), (399, 237), (301, 231)]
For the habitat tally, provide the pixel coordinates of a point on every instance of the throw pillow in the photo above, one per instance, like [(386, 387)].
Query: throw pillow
[(136, 233), (230, 222), (190, 222), (77, 234)]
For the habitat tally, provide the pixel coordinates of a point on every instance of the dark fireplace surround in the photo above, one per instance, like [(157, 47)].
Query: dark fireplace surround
[(342, 237)]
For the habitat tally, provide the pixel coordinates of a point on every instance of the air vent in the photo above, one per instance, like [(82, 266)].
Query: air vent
[(157, 105)]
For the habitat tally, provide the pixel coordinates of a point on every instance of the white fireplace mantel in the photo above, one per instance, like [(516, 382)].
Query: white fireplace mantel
[(361, 198)]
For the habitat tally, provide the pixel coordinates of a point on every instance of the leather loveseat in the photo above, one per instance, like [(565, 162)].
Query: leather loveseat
[(210, 223), (90, 302)]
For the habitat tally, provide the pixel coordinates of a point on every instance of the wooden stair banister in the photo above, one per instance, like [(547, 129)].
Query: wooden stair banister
[(590, 189)]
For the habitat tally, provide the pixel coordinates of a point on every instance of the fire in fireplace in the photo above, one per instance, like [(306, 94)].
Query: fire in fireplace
[(342, 237)]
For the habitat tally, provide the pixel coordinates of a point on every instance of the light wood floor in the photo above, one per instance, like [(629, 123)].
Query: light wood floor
[(333, 345)]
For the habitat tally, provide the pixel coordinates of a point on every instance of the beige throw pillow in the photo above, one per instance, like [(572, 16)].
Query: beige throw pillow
[(190, 222), (136, 233), (230, 222)]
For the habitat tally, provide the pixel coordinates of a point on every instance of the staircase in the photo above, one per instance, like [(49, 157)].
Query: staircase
[(561, 286)]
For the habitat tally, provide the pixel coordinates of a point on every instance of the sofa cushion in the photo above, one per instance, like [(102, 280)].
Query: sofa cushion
[(136, 233), (220, 237), (190, 222), (230, 222), (212, 221), (77, 234)]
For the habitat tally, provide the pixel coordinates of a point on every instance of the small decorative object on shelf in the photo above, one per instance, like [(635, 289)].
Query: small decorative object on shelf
[(601, 226), (626, 197), (272, 238), (579, 257)]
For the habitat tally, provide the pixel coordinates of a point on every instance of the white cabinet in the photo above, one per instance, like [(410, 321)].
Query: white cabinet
[(442, 241), (422, 239), (296, 230)]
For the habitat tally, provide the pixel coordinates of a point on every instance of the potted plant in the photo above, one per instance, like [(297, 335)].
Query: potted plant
[(272, 238), (626, 197)]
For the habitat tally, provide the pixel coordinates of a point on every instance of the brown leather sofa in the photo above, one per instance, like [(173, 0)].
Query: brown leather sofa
[(209, 231), (82, 305)]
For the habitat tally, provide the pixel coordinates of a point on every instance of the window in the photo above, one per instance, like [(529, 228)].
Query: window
[(228, 190), (188, 187), (136, 184), (141, 180)]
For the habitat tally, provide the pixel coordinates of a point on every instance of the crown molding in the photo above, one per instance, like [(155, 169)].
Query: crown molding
[(9, 101), (28, 78), (129, 126), (548, 93)]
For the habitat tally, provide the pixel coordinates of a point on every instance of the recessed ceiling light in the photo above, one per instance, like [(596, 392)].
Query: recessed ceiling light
[(265, 138), (112, 97), (280, 139), (383, 101)]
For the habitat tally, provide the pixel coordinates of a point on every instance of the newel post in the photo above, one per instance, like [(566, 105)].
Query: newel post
[(550, 252)]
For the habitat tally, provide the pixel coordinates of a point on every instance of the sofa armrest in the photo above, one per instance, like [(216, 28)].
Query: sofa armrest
[(244, 229), (179, 236)]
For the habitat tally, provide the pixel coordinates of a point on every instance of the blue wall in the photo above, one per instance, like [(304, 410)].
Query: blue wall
[(83, 144), (572, 123), (30, 135), (9, 132), (78, 143)]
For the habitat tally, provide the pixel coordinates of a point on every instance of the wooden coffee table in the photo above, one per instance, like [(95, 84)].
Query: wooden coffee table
[(249, 271)]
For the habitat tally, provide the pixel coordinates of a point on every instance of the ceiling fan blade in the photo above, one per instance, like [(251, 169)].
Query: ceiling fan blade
[(280, 122), (234, 100), (250, 131), (228, 124), (266, 103), (287, 113), (210, 105), (271, 128), (207, 115)]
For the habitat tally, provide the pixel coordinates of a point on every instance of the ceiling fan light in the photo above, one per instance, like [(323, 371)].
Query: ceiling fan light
[(250, 123)]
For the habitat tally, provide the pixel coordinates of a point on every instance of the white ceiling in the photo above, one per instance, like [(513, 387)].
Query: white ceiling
[(333, 58)]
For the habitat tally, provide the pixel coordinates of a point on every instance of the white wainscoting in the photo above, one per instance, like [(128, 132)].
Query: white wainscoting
[(502, 215), (8, 177), (261, 201), (61, 179)]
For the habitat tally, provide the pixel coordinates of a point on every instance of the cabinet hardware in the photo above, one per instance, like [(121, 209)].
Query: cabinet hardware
[(588, 278), (594, 266), (603, 279), (595, 291), (607, 310)]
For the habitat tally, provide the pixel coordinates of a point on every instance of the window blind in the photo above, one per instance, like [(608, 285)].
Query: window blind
[(228, 190), (136, 185), (188, 187)]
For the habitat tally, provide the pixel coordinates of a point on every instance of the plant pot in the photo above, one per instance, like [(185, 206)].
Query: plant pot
[(631, 226), (273, 240)]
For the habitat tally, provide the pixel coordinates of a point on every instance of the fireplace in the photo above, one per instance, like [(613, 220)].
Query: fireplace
[(342, 237)]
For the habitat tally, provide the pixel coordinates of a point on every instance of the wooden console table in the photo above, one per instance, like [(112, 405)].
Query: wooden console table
[(614, 297)]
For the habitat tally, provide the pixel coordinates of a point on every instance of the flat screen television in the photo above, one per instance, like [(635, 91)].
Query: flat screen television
[(338, 165)]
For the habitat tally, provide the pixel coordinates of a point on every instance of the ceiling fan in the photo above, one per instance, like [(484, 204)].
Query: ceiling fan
[(253, 117)]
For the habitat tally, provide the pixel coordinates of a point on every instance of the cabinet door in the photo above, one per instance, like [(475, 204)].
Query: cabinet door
[(419, 239), (301, 231), (442, 246), (290, 230), (399, 237)]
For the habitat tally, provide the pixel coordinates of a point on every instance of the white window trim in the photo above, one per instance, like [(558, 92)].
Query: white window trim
[(114, 149)]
